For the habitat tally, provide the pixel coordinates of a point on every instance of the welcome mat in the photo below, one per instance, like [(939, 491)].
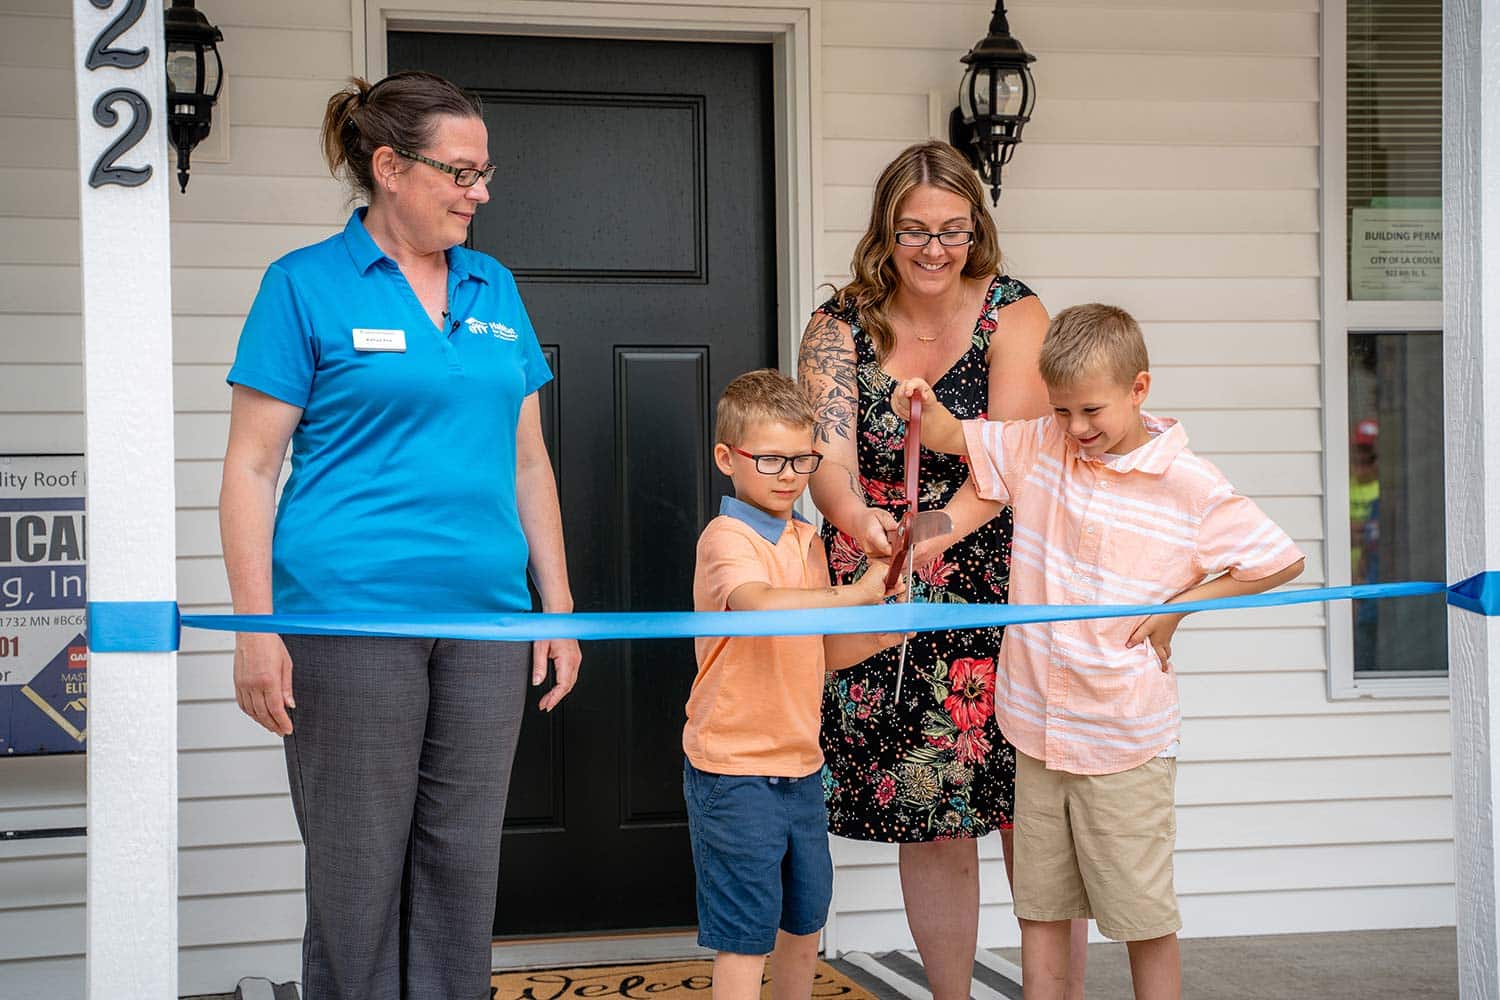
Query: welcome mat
[(650, 981)]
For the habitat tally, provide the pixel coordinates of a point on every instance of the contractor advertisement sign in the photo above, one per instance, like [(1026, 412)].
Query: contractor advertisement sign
[(44, 694)]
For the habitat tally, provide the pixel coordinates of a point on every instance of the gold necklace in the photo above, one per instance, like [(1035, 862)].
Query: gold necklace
[(946, 323)]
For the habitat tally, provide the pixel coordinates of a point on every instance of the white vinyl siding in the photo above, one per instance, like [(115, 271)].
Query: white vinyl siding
[(41, 410), (241, 859), (1172, 167), (240, 863)]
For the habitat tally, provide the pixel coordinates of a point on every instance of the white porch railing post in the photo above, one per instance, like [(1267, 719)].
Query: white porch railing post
[(1471, 376), (127, 322)]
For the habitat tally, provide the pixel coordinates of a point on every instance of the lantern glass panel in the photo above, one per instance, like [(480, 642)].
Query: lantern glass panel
[(213, 69), (182, 69), (967, 88), (989, 78), (1008, 92)]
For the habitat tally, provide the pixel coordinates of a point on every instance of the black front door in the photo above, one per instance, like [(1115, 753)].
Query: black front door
[(634, 201)]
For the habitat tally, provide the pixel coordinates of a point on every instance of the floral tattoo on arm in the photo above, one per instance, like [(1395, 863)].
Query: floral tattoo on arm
[(855, 487), (826, 354)]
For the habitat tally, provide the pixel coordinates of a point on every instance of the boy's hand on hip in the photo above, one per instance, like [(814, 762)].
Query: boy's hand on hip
[(1158, 631)]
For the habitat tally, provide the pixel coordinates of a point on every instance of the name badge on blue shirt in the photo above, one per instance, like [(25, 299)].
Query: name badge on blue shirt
[(379, 340)]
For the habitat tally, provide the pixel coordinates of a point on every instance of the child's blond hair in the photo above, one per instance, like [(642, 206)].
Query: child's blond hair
[(1086, 341), (764, 395)]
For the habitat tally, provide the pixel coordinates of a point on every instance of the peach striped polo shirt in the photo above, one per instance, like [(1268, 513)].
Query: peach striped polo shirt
[(1138, 528)]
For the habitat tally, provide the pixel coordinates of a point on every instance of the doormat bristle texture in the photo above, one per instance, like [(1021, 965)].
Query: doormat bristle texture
[(651, 981)]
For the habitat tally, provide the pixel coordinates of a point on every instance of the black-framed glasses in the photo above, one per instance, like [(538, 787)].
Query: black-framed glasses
[(771, 465), (464, 177), (948, 237)]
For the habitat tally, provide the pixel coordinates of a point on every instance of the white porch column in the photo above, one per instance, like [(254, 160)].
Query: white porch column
[(127, 323), (1471, 293)]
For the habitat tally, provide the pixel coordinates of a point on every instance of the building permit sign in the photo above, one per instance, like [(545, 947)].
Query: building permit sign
[(44, 693), (1396, 253)]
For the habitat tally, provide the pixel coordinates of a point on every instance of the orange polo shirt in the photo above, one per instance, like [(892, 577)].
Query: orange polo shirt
[(756, 703)]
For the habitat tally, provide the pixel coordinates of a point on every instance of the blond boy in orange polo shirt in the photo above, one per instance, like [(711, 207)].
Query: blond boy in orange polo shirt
[(752, 777)]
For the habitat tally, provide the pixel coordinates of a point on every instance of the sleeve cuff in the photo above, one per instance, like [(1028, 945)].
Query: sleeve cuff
[(286, 392), (1270, 567), (980, 436)]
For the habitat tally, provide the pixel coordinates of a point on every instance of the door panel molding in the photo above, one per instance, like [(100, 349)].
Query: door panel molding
[(544, 810), (549, 400), (660, 455), (792, 26), (678, 122)]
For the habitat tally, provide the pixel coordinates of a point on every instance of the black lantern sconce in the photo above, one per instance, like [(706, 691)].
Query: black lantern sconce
[(194, 75), (994, 101)]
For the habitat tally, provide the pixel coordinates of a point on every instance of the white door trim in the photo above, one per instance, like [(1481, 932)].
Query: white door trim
[(792, 28)]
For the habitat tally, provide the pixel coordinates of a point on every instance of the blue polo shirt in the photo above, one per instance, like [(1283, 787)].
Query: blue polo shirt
[(403, 488)]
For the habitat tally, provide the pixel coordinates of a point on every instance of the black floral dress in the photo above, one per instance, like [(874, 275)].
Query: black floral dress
[(935, 766)]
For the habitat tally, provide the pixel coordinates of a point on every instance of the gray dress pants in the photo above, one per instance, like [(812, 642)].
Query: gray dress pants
[(399, 760)]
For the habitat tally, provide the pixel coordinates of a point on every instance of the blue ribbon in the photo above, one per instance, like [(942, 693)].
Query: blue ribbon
[(118, 626), (133, 626), (1480, 594)]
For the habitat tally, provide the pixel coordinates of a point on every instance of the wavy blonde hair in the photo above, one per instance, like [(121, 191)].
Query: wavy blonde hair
[(875, 280)]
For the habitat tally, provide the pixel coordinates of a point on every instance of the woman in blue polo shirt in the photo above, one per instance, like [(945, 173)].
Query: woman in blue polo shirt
[(403, 370)]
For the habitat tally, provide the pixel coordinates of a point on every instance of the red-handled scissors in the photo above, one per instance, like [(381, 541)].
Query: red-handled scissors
[(915, 527)]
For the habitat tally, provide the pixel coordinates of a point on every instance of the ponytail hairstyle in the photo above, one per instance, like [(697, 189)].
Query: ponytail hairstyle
[(875, 280), (400, 111)]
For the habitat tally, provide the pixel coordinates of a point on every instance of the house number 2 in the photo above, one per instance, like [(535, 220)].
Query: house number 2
[(103, 54)]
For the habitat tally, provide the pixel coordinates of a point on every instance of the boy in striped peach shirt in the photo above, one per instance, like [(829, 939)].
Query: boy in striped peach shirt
[(1110, 507)]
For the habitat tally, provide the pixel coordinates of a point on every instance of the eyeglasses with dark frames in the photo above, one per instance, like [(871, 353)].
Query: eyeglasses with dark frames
[(771, 465), (464, 177), (948, 237)]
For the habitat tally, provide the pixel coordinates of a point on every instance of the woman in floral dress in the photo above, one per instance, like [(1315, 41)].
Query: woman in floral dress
[(931, 772)]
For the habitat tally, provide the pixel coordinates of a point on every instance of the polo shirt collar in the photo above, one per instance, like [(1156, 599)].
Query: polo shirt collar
[(363, 249), (365, 252), (768, 526), (1168, 439), (462, 262)]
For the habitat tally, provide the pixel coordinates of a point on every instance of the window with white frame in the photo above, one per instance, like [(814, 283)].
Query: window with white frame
[(1383, 328)]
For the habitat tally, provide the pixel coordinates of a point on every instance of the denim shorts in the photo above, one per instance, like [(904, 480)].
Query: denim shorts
[(760, 849)]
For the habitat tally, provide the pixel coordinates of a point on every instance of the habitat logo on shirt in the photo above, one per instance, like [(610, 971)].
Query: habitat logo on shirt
[(500, 330)]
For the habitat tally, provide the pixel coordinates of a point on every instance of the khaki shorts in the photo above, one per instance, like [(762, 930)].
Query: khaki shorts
[(1098, 846)]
